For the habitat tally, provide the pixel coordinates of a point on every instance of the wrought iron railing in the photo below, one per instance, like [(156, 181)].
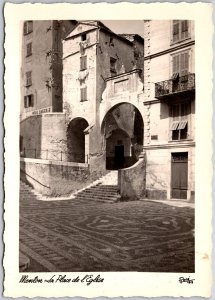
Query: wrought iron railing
[(54, 155), (175, 86)]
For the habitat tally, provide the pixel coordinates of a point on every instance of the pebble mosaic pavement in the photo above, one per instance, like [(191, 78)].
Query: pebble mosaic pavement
[(83, 236)]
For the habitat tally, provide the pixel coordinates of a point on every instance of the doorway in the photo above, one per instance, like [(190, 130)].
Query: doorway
[(179, 175), (119, 156)]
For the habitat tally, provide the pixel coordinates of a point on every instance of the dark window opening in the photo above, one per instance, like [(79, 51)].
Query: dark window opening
[(29, 49), (29, 101), (83, 63), (84, 94), (113, 66), (83, 37), (28, 27)]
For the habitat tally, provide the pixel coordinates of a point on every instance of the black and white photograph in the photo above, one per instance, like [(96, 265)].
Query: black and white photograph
[(107, 149), (107, 146)]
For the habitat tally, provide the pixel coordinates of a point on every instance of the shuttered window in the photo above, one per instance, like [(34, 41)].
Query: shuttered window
[(28, 27), (83, 94), (29, 49), (83, 63), (179, 121), (180, 64), (180, 30), (28, 78), (29, 101)]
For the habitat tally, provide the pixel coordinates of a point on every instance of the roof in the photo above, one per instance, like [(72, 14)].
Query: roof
[(133, 36), (96, 25)]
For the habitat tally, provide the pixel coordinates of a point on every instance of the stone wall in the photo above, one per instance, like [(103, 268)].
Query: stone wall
[(42, 175), (44, 132), (131, 181)]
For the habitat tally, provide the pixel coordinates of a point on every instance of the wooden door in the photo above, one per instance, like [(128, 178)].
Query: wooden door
[(179, 178)]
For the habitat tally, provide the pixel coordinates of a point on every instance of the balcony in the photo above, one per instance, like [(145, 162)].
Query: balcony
[(175, 86)]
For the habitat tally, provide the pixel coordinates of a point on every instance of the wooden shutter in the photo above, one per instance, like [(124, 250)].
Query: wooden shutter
[(84, 94), (184, 29), (25, 28), (83, 63), (25, 102), (176, 30), (184, 64), (176, 64), (31, 100), (30, 26), (28, 79), (29, 49)]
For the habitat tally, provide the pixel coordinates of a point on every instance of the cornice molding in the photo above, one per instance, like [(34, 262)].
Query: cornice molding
[(169, 50), (170, 146)]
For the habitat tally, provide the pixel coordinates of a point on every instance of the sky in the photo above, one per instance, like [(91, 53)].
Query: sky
[(125, 26)]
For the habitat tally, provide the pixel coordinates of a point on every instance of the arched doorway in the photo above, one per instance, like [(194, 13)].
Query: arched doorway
[(122, 128), (76, 140)]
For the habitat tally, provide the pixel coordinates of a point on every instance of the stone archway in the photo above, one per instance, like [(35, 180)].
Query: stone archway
[(122, 128), (76, 149)]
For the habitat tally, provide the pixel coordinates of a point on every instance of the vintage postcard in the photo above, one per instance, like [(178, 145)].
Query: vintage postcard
[(108, 150)]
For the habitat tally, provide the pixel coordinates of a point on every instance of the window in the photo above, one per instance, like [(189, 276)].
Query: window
[(180, 30), (179, 121), (83, 63), (112, 66), (29, 101), (29, 49), (83, 94), (180, 65), (28, 27), (28, 78), (83, 37)]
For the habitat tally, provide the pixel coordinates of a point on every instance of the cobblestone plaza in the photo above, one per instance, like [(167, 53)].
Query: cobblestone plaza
[(83, 236)]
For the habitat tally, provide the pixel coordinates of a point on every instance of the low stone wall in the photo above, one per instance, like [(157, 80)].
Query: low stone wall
[(44, 175), (131, 181)]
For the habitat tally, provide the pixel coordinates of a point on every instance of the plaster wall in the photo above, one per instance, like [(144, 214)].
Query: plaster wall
[(158, 171), (45, 63), (31, 131), (158, 35), (74, 79), (38, 64), (161, 111), (42, 133)]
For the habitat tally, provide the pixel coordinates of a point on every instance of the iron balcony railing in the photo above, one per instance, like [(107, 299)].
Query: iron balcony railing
[(175, 86)]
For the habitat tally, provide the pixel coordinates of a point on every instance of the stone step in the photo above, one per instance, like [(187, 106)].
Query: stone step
[(99, 193), (97, 198)]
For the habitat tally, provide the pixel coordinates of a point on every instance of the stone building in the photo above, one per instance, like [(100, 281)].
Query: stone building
[(169, 99), (128, 104), (102, 74), (41, 77)]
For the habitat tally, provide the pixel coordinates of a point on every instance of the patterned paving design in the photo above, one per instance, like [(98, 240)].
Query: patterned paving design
[(75, 235)]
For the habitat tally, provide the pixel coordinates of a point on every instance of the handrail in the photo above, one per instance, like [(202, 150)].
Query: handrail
[(34, 179)]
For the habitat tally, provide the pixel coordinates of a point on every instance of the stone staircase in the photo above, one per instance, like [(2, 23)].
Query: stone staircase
[(28, 193), (104, 189)]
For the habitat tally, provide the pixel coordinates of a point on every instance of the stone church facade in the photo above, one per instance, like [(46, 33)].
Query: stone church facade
[(123, 98)]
